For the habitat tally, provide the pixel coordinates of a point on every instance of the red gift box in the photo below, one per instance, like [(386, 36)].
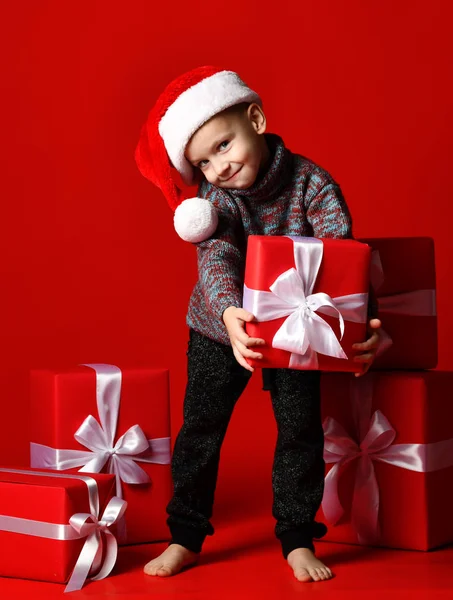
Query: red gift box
[(389, 459), (37, 540), (306, 270), (61, 402), (404, 279)]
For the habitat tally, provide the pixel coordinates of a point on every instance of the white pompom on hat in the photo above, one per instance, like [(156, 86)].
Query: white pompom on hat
[(184, 106)]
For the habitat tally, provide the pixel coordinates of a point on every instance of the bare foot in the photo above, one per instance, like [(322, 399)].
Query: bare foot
[(171, 561), (306, 566)]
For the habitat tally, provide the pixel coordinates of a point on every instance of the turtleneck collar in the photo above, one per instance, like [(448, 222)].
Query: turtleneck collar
[(276, 175)]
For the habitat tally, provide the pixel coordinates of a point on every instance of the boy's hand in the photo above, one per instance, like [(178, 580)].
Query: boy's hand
[(235, 319), (367, 350)]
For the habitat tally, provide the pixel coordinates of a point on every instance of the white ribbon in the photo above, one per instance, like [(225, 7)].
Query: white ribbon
[(120, 457), (81, 525), (304, 333)]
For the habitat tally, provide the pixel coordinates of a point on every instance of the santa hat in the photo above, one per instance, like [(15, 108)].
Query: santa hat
[(183, 107)]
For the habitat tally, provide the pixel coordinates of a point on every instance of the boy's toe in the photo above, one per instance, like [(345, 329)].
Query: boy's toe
[(302, 574), (151, 568), (319, 573), (314, 574)]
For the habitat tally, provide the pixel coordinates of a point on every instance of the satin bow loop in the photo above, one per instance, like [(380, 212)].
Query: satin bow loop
[(120, 457)]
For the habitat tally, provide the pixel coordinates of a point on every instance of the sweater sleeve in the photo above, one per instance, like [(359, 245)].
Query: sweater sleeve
[(221, 258), (326, 208)]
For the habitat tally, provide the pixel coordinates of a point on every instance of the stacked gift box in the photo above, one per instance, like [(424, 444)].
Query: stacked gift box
[(388, 433), (100, 473), (93, 418)]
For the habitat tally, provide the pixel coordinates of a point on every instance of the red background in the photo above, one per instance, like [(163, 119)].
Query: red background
[(91, 269)]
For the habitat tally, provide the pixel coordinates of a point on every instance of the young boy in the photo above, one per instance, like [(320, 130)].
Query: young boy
[(209, 122)]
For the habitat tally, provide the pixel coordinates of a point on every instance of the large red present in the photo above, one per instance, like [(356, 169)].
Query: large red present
[(57, 527), (94, 418), (404, 279), (310, 298), (389, 459)]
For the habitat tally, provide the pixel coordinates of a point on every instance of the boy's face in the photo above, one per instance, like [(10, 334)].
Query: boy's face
[(230, 148)]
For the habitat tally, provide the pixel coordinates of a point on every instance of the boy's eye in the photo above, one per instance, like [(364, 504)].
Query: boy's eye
[(224, 145), (202, 163)]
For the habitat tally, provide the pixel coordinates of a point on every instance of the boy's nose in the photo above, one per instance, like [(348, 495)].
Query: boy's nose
[(222, 168)]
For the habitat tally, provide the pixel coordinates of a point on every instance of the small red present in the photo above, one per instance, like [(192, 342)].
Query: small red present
[(57, 527), (310, 300), (389, 459), (404, 280), (94, 418)]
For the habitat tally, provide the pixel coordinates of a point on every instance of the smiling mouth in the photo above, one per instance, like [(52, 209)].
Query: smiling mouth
[(229, 178)]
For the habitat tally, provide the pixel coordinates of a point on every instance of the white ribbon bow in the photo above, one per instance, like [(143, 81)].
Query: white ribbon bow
[(99, 438), (90, 527), (304, 333)]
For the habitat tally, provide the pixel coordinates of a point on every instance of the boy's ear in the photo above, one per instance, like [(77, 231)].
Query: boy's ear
[(257, 118)]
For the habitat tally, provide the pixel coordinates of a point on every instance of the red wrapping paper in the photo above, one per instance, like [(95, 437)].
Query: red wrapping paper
[(408, 264), (52, 500), (62, 399), (415, 508), (344, 270)]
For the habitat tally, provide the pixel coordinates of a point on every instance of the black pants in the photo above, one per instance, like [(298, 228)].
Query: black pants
[(215, 382)]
